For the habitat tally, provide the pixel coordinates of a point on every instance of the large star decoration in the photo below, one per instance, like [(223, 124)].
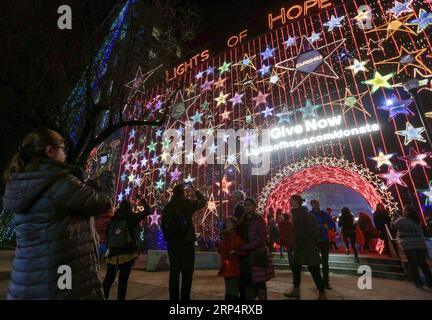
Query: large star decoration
[(246, 62), (334, 22), (400, 8), (373, 46), (224, 186), (427, 193), (383, 159), (358, 66), (400, 107), (393, 177), (410, 133), (180, 104), (423, 21), (137, 84), (309, 111), (211, 209), (329, 73), (351, 101), (380, 81), (391, 27), (406, 59), (414, 159)]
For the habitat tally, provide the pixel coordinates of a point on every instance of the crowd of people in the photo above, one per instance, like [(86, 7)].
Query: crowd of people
[(55, 212)]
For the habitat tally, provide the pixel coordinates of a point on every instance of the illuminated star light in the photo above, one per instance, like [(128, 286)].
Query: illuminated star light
[(199, 75), (358, 66), (268, 53), (207, 86), (393, 177), (427, 193), (197, 117), (284, 116), (246, 62), (314, 37), (220, 84), (373, 46), (260, 99), (137, 84), (154, 218), (326, 69), (237, 99), (274, 79), (152, 146), (400, 107), (309, 110), (221, 99), (264, 70), (406, 58), (291, 41), (400, 8), (224, 68), (351, 101), (334, 22), (267, 112), (380, 81), (189, 179), (423, 21), (225, 115), (410, 133), (175, 175), (210, 70), (344, 55), (383, 159), (414, 159), (393, 26)]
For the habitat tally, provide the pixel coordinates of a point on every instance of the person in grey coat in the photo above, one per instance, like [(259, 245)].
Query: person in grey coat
[(306, 234), (55, 255)]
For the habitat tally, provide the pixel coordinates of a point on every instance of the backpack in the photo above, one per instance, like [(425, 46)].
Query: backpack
[(173, 224), (119, 235)]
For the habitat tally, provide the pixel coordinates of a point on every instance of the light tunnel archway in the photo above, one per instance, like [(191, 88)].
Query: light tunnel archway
[(300, 176)]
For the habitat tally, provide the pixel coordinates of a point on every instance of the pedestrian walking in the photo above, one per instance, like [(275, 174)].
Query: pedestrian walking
[(368, 229), (306, 234), (381, 219), (325, 224), (286, 232), (179, 233), (52, 206), (346, 222), (411, 239)]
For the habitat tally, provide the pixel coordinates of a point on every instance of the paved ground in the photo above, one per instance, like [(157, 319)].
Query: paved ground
[(208, 286)]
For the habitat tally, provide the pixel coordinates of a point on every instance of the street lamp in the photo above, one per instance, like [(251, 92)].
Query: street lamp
[(411, 87)]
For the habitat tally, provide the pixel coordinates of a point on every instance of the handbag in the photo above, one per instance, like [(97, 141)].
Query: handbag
[(259, 258)]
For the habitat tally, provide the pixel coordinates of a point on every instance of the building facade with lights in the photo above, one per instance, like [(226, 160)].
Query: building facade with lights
[(317, 99)]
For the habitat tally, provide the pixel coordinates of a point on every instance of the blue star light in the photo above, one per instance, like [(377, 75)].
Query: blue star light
[(400, 107), (400, 8), (268, 53), (267, 112), (290, 42), (345, 55), (411, 133), (309, 110), (284, 116), (210, 70), (199, 75), (334, 22), (423, 21), (314, 37), (264, 70), (197, 117)]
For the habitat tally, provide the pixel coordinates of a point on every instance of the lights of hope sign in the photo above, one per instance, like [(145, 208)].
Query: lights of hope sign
[(309, 132)]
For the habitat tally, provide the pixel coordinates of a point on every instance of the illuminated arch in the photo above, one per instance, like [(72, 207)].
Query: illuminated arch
[(300, 176)]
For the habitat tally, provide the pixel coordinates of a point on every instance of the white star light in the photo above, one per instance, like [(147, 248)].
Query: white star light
[(315, 37), (358, 66), (290, 42), (334, 22), (410, 133)]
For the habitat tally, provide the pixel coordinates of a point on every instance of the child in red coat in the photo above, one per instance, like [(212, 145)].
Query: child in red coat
[(230, 265)]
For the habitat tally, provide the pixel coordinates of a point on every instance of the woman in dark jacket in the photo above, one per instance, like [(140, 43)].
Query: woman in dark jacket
[(52, 209), (306, 234), (255, 261), (346, 222), (122, 258)]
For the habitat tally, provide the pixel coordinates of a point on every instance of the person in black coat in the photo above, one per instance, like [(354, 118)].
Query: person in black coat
[(52, 208), (381, 218), (181, 249), (346, 222), (122, 259)]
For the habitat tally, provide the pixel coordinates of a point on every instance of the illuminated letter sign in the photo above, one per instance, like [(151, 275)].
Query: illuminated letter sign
[(309, 61)]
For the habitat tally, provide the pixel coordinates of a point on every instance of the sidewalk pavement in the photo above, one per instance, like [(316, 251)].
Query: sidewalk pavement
[(207, 285)]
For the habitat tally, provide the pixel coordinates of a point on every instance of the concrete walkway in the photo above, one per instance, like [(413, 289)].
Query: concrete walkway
[(208, 286)]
